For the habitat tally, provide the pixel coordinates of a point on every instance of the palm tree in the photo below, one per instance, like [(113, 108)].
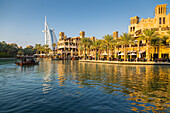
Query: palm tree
[(102, 47), (46, 47), (169, 42), (80, 49), (113, 47), (89, 45), (37, 47), (20, 52), (108, 40), (54, 45), (126, 39), (96, 45), (148, 35), (117, 44), (155, 41), (84, 42), (3, 42)]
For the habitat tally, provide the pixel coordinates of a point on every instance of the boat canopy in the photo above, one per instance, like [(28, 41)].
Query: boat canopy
[(27, 57)]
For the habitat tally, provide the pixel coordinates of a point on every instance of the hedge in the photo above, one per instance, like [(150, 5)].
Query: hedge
[(5, 55)]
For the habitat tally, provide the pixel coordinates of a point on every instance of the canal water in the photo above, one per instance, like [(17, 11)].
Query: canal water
[(74, 87)]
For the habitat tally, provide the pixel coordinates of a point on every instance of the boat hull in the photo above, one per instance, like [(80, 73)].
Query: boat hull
[(17, 63)]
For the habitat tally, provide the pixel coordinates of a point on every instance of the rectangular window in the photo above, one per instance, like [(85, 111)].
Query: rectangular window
[(160, 20), (130, 29), (163, 20)]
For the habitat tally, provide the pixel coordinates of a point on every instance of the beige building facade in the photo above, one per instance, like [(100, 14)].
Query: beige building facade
[(160, 23), (69, 47)]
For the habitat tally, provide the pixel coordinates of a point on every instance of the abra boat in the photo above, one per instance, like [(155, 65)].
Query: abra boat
[(27, 60)]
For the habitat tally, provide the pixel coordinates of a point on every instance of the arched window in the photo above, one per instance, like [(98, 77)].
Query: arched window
[(159, 10)]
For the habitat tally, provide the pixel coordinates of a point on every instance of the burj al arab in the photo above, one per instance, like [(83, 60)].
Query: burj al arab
[(50, 36)]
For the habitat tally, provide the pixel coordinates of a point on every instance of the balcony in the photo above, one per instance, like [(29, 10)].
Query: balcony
[(67, 46), (67, 51)]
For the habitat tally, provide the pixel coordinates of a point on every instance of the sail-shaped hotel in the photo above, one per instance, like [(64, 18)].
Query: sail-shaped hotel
[(50, 36)]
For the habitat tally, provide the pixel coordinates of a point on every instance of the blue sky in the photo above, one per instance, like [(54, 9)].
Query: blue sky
[(22, 21)]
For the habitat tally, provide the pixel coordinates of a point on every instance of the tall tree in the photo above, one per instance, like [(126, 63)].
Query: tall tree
[(108, 40), (126, 39), (37, 47), (89, 45), (96, 45), (80, 49), (169, 42), (148, 35), (46, 47), (84, 42), (54, 45), (102, 47), (155, 42)]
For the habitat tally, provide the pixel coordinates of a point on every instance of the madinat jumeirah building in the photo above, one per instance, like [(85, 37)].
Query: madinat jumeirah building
[(161, 23), (69, 46)]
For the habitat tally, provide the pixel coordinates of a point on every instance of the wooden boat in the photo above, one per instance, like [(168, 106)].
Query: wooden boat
[(75, 58), (27, 60)]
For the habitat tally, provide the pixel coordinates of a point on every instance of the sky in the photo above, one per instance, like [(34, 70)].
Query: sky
[(22, 21)]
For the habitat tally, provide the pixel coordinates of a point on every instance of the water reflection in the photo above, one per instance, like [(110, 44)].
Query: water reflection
[(141, 84), (146, 88), (92, 85)]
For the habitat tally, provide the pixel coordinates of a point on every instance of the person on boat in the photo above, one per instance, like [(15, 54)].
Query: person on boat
[(24, 61), (32, 60)]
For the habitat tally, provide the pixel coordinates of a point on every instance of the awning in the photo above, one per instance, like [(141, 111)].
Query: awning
[(118, 51), (89, 55), (120, 54), (132, 54), (105, 54), (142, 51)]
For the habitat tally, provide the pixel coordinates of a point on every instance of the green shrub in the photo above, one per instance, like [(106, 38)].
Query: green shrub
[(5, 55)]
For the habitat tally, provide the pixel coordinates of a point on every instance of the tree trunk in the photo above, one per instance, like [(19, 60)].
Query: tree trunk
[(154, 53), (108, 52), (89, 51), (148, 46), (95, 54), (115, 52), (112, 52), (124, 52), (169, 47), (99, 54), (138, 49), (85, 52)]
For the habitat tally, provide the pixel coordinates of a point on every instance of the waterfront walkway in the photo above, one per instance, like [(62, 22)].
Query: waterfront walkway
[(127, 62)]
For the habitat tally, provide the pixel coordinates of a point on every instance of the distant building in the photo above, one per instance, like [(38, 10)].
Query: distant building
[(50, 36)]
